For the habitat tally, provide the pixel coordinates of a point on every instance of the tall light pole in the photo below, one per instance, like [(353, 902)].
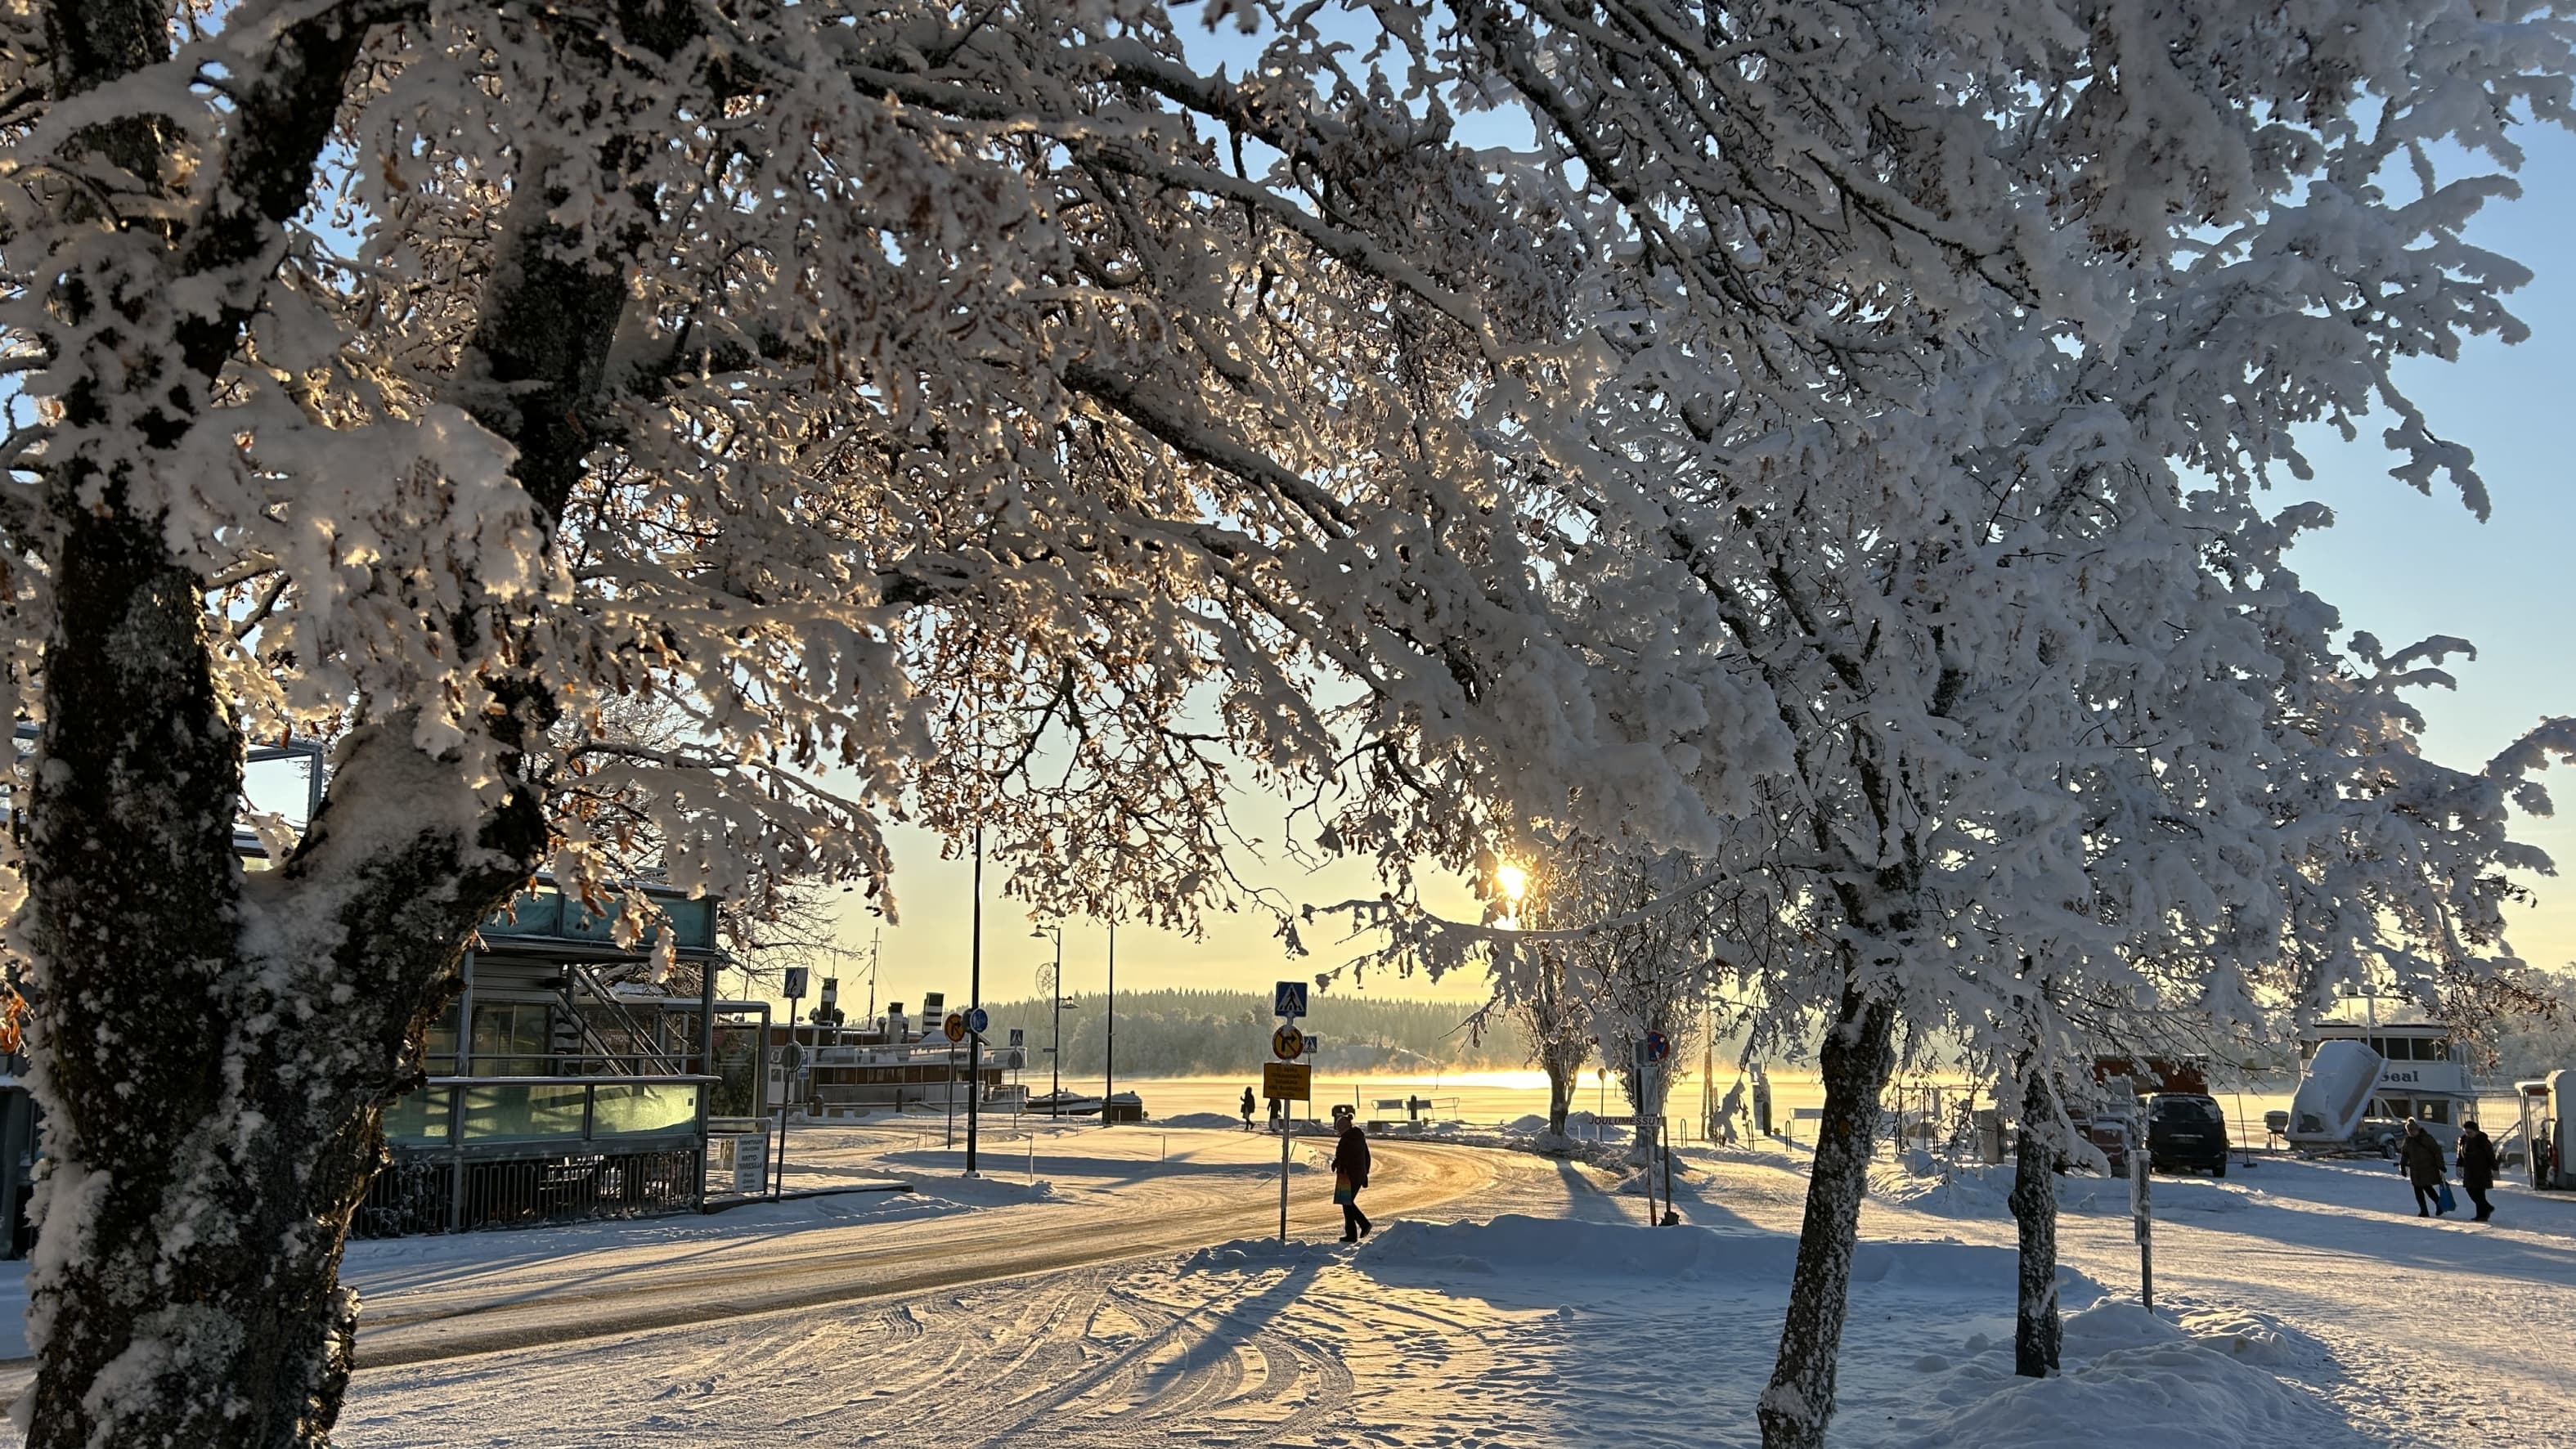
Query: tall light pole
[(975, 1007), (1055, 1003), (1109, 1086)]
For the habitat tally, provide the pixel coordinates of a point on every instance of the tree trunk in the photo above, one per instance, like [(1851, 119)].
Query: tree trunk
[(2036, 1330), (1560, 1095), (214, 1051), (1857, 1059)]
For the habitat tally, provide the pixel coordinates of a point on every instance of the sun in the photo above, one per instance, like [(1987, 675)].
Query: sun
[(1511, 880)]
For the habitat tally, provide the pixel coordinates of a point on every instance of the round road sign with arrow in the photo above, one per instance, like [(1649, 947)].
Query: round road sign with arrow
[(1288, 1043), (955, 1026)]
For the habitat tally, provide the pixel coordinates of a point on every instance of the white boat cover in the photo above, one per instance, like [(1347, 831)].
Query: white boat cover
[(2335, 1094)]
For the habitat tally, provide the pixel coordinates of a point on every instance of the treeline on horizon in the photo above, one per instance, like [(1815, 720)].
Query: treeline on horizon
[(1176, 1032)]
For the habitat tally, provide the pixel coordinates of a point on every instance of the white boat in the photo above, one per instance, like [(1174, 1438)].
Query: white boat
[(2418, 1076), (1063, 1104)]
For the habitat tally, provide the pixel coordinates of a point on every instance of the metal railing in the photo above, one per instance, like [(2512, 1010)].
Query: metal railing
[(458, 1193)]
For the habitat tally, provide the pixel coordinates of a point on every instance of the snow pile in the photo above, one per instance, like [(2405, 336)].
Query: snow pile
[(1586, 1125), (1526, 1247), (1925, 1185), (1533, 1123), (1201, 1119), (2256, 1338), (1243, 1253), (2135, 1382), (2165, 1195)]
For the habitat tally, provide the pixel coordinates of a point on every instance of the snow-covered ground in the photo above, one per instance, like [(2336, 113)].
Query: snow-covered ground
[(1508, 1299)]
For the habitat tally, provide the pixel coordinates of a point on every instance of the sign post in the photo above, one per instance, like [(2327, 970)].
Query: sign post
[(1654, 1056), (2142, 1211), (1286, 1082), (797, 977), (1287, 1079)]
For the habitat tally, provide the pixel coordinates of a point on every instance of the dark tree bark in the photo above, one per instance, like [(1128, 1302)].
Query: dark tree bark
[(1560, 1093), (216, 1050), (2036, 1327), (1858, 1057)]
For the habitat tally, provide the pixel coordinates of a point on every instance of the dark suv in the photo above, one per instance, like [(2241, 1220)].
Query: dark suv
[(2186, 1132)]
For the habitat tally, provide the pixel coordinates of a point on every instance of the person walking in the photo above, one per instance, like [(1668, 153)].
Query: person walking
[(2419, 1156), (1350, 1173), (1247, 1109), (2477, 1166)]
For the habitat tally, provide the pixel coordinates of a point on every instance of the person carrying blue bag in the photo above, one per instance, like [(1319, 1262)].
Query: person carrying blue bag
[(2419, 1156)]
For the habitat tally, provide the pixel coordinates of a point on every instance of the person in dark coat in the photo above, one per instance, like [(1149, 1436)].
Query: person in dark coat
[(2419, 1156), (1350, 1173), (1247, 1109), (2477, 1166)]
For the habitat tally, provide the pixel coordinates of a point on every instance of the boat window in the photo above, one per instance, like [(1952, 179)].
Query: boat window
[(2398, 1107), (2437, 1050), (2434, 1109), (2379, 1044)]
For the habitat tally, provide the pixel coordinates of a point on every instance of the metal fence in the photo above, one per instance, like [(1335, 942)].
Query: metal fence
[(434, 1195)]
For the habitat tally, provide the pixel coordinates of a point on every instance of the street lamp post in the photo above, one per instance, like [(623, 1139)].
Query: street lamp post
[(975, 1008), (1055, 1004), (1109, 1087)]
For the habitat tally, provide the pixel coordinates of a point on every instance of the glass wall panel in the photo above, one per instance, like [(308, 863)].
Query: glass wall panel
[(544, 1110), (627, 1110), (422, 1116)]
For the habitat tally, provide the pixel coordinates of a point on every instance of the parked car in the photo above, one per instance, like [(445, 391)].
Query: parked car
[(2380, 1135), (2109, 1135), (2186, 1132)]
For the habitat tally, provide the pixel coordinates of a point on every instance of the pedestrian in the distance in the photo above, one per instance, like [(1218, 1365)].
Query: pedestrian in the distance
[(1350, 1173), (2477, 1166), (1247, 1109), (2419, 1156)]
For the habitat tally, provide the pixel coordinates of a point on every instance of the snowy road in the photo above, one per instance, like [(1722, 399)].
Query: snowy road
[(2302, 1304), (1091, 1209)]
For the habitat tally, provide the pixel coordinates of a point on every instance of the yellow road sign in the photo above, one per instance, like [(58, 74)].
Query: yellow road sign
[(1287, 1082), (1288, 1043)]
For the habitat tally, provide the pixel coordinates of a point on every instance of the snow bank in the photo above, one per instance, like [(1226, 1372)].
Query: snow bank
[(2256, 1338), (1526, 1247), (2154, 1393), (1531, 1123), (2167, 1195), (1201, 1119), (2131, 1379), (1254, 1253), (1922, 1185)]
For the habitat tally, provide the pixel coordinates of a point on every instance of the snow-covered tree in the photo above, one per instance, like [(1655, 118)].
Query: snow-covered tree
[(847, 382), (1774, 456)]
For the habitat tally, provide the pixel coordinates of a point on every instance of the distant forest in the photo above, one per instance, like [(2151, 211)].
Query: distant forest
[(1227, 1033)]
